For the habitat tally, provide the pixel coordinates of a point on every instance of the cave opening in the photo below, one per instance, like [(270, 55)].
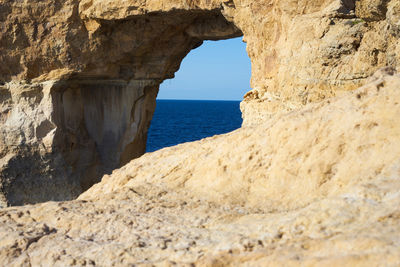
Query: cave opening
[(203, 99), (98, 96)]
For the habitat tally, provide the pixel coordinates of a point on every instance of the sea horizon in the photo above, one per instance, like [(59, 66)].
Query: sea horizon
[(177, 121)]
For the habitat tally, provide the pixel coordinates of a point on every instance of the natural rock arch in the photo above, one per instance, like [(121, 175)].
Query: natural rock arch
[(94, 110), (78, 79)]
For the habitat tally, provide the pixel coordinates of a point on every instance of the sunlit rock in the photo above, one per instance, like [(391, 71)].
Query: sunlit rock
[(317, 186), (312, 177)]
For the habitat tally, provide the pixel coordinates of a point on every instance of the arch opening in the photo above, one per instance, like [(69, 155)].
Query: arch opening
[(204, 97), (96, 96)]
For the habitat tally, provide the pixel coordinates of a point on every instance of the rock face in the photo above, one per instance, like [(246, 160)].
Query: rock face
[(316, 186), (306, 51), (312, 178), (57, 139), (78, 83), (78, 79)]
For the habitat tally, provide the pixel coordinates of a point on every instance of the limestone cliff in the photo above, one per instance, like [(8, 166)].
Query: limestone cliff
[(306, 51), (78, 79), (78, 83), (312, 178), (319, 186)]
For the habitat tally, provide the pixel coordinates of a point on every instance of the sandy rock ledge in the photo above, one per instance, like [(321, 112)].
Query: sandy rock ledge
[(79, 78), (316, 186)]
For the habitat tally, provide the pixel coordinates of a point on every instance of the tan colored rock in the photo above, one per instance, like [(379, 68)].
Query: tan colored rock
[(283, 163), (57, 141), (316, 186), (372, 9), (78, 88), (121, 50), (313, 185), (309, 52)]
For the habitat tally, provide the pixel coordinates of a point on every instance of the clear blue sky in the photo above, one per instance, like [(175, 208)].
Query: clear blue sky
[(217, 70)]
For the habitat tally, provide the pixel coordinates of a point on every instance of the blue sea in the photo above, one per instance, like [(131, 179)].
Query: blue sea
[(180, 121)]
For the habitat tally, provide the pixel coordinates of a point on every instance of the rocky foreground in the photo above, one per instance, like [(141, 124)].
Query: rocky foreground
[(317, 186), (312, 177)]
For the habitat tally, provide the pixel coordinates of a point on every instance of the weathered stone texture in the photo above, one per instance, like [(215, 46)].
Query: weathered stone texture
[(310, 50), (311, 179), (79, 82), (317, 186), (301, 52), (58, 138)]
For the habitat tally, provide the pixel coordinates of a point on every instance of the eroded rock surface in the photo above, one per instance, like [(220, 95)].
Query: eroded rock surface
[(57, 139), (306, 51), (78, 83), (316, 186), (78, 79)]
